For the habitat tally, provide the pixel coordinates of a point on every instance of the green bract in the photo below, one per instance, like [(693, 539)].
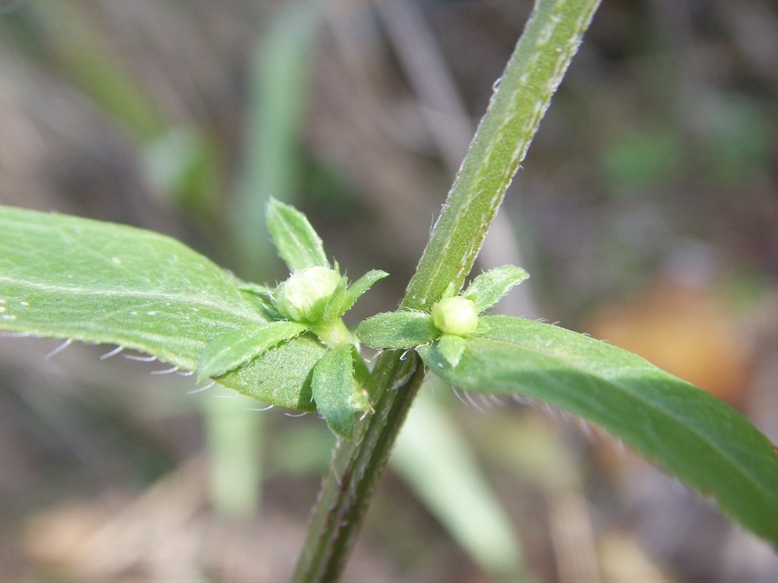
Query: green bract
[(334, 388), (235, 348), (488, 288), (294, 237), (311, 302), (403, 329), (303, 297), (451, 319)]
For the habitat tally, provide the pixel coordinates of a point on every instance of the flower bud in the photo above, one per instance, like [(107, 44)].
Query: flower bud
[(303, 297), (455, 315)]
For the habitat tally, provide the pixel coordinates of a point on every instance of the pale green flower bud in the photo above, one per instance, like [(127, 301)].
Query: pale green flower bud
[(455, 315), (303, 297)]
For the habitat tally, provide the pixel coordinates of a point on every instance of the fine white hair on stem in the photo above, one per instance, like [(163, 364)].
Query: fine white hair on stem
[(459, 395), (139, 358), (166, 371), (525, 401), (296, 415), (470, 400), (369, 404), (494, 399), (201, 389), (404, 379), (550, 411), (59, 349), (262, 409), (113, 352), (484, 399), (585, 427), (591, 431), (185, 373)]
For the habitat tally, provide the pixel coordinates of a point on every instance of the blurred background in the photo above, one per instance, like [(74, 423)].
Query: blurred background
[(646, 213)]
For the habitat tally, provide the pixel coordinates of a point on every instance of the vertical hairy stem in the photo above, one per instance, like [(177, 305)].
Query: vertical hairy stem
[(356, 469), (551, 37)]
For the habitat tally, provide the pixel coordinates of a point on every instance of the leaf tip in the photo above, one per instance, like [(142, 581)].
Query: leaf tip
[(452, 348)]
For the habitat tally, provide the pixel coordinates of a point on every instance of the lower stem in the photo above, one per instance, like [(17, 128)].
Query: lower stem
[(356, 469)]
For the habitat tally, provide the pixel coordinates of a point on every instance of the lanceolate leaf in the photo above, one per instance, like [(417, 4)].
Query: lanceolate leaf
[(695, 436), (360, 287), (282, 375), (297, 243), (67, 277), (452, 347), (332, 388), (488, 288), (237, 347), (346, 296), (403, 329)]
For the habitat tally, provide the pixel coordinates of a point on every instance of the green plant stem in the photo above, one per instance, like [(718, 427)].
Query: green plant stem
[(551, 37), (356, 469)]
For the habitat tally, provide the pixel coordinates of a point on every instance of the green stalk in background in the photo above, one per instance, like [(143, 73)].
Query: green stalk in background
[(550, 39), (280, 73), (279, 91)]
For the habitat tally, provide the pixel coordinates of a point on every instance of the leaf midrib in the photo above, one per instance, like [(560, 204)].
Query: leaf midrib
[(152, 295)]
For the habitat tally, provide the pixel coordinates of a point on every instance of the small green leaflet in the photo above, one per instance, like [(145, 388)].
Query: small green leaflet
[(452, 347), (333, 391), (402, 329), (282, 375), (237, 347), (489, 288), (693, 435), (264, 296), (343, 303), (294, 237)]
